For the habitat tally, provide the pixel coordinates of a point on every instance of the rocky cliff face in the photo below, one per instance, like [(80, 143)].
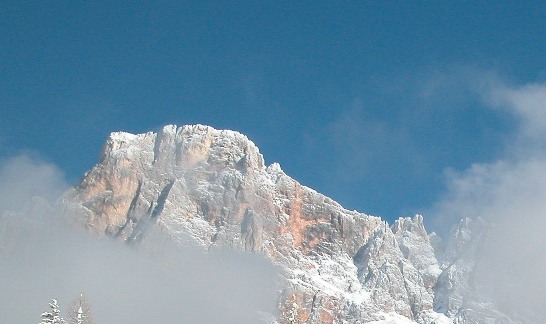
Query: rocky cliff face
[(210, 188)]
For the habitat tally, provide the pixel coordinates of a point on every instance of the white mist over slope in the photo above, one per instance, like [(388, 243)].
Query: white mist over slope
[(41, 258), (509, 193), (23, 177)]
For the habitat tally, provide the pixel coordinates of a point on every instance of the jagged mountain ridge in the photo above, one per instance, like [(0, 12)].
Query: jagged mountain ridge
[(211, 188)]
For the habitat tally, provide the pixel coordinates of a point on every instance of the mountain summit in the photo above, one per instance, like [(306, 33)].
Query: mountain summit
[(210, 188)]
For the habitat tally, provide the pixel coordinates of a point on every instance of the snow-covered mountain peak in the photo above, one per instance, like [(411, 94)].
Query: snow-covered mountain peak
[(210, 188), (182, 147)]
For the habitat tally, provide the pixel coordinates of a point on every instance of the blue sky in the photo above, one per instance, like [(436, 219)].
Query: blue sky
[(367, 102)]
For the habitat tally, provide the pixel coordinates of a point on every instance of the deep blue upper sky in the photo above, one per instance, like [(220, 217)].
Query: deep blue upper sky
[(366, 102)]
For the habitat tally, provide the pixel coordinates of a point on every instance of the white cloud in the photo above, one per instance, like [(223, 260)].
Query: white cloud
[(510, 193)]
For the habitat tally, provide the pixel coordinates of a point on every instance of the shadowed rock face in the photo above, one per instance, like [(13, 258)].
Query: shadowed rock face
[(200, 186)]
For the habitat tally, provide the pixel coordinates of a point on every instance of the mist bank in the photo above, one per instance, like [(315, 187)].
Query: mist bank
[(43, 256)]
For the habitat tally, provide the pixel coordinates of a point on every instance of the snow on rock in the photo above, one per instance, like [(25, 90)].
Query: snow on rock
[(211, 188)]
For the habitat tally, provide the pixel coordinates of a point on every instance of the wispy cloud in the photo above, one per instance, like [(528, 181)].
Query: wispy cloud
[(362, 141), (527, 104)]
